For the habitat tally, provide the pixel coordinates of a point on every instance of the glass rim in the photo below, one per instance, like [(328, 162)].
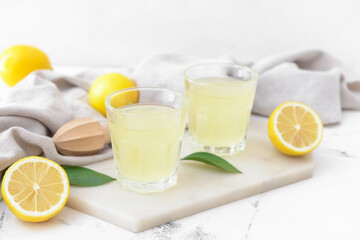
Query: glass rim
[(234, 65), (108, 97)]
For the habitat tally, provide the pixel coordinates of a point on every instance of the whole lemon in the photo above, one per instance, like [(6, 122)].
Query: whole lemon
[(106, 84), (18, 61)]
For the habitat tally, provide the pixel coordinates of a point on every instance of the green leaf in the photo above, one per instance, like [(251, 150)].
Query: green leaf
[(213, 160), (85, 177)]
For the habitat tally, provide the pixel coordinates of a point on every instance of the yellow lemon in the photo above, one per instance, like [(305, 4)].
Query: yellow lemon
[(35, 189), (109, 83), (295, 128), (18, 61)]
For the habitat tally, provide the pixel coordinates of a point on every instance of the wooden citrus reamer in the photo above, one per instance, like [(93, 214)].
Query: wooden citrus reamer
[(83, 136)]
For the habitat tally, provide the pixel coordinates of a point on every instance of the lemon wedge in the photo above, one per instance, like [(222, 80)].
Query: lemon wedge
[(295, 128), (35, 189)]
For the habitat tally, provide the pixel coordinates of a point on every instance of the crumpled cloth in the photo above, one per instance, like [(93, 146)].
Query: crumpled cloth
[(33, 110), (312, 77)]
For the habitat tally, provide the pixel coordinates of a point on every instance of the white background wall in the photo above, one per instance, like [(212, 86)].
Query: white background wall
[(117, 32)]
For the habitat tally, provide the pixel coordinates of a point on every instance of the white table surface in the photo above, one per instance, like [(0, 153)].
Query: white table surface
[(323, 207)]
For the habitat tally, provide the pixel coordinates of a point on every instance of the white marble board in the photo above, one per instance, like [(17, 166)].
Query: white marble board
[(200, 187)]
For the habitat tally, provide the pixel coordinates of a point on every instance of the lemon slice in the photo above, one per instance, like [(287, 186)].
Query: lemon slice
[(295, 128), (35, 189)]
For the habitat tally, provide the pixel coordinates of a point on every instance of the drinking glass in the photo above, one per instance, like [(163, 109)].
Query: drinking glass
[(220, 97), (146, 129)]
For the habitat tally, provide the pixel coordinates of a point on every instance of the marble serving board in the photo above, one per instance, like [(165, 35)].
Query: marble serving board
[(200, 187)]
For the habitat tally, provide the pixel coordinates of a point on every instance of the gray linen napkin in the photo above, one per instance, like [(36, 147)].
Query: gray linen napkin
[(34, 109), (312, 77)]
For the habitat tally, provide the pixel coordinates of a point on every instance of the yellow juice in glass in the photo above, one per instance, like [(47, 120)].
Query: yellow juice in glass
[(219, 113), (146, 141)]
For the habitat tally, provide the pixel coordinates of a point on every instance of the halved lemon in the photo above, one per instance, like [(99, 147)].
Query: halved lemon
[(35, 189), (295, 128)]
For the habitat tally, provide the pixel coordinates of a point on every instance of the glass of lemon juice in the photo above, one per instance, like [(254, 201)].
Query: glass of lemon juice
[(220, 97), (146, 129)]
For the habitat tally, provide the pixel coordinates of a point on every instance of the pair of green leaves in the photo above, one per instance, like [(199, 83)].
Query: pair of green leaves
[(85, 177)]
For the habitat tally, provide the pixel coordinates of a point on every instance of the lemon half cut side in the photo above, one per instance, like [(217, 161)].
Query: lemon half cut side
[(295, 128), (35, 189)]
